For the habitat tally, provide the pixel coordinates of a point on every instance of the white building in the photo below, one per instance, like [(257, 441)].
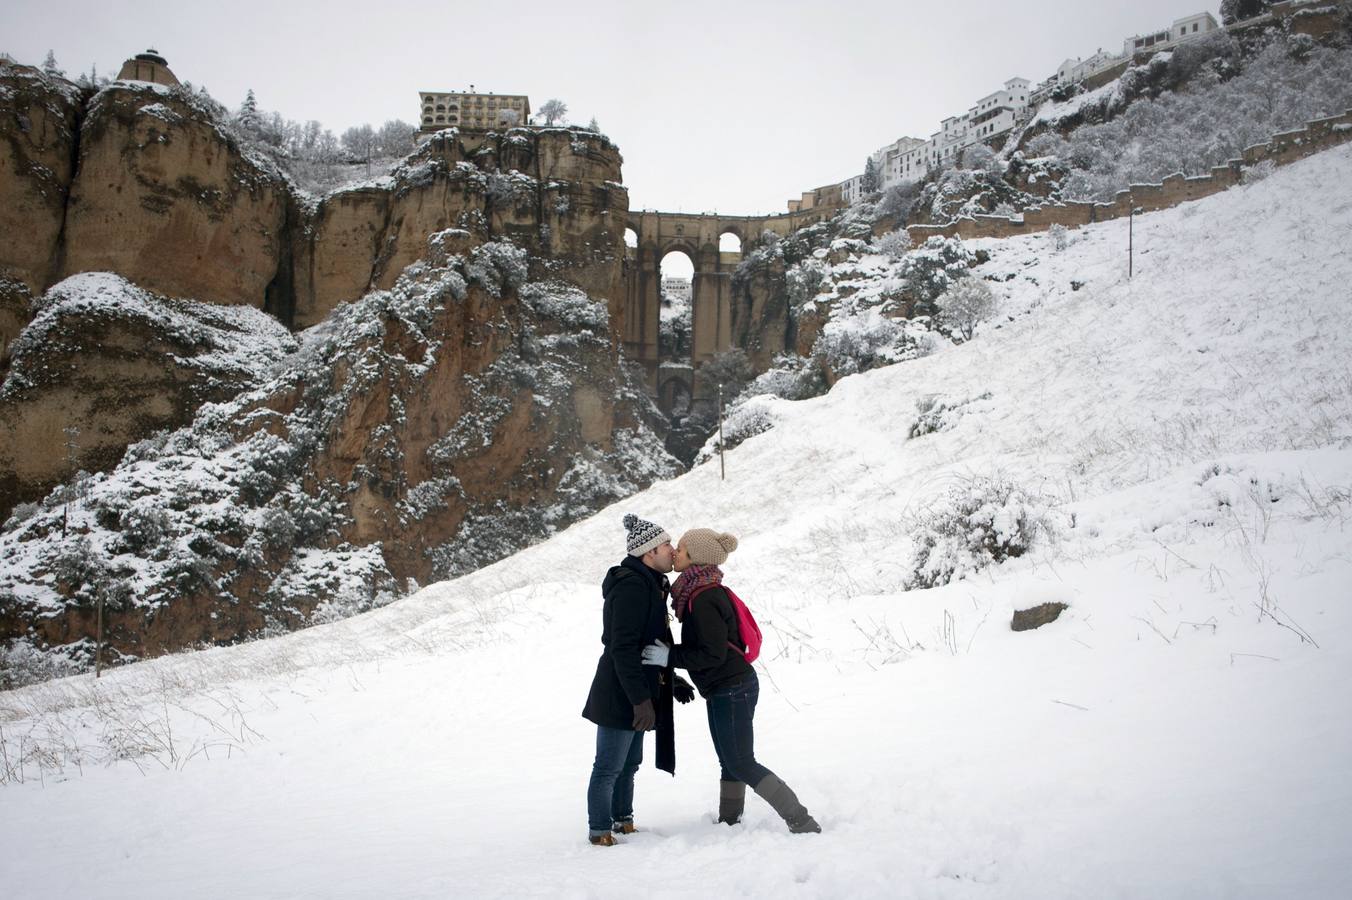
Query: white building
[(1183, 29), (909, 158), (677, 290)]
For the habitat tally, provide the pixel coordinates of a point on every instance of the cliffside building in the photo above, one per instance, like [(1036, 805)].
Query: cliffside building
[(148, 66), (472, 110)]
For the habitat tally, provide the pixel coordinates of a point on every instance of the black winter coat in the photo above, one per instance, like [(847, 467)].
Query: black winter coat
[(707, 631), (633, 615)]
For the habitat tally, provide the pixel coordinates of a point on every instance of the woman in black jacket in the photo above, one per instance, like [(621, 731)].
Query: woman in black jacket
[(712, 650)]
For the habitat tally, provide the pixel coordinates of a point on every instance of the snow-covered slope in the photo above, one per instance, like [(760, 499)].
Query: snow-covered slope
[(1184, 440)]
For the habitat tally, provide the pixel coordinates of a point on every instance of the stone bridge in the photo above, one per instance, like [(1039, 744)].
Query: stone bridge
[(673, 382)]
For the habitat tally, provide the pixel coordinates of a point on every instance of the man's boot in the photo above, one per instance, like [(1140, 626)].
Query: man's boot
[(731, 801), (783, 801)]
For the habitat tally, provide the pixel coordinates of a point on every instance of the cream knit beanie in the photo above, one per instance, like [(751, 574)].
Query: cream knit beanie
[(708, 547)]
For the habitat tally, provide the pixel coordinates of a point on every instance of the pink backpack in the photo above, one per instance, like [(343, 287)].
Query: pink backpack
[(746, 623)]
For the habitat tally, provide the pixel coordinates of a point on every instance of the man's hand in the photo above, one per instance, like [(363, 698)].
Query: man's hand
[(656, 654), (681, 690), (645, 717)]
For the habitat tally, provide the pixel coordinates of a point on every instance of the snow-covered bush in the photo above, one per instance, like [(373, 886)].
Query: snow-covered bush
[(965, 304), (791, 377), (802, 281), (894, 244), (929, 270), (980, 523), (1258, 171), (934, 414), (859, 343), (731, 369), (1058, 236), (497, 264), (21, 663)]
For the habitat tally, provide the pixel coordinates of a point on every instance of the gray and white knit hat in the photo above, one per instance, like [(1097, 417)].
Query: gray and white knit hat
[(643, 535)]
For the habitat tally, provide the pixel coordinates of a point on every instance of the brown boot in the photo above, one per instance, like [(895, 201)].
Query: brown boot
[(625, 826), (603, 840), (731, 801), (783, 801)]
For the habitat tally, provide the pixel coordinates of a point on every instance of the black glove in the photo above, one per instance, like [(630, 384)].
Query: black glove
[(645, 717), (681, 690)]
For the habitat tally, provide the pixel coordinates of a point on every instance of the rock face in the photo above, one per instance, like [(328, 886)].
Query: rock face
[(458, 392), (115, 364), (418, 433), (163, 197), (166, 196), (555, 192), (38, 133)]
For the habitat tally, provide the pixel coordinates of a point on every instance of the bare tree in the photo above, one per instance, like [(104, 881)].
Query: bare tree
[(360, 141), (964, 305), (509, 118), (553, 111)]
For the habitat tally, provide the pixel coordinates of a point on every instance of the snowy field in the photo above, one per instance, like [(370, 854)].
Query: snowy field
[(1176, 733)]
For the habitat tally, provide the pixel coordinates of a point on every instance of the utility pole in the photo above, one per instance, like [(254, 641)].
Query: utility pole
[(98, 634), (722, 467), (1131, 235)]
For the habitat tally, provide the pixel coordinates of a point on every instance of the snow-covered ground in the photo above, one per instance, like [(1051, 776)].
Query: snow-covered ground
[(1187, 436)]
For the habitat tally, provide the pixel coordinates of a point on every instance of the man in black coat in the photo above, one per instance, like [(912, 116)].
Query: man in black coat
[(626, 697)]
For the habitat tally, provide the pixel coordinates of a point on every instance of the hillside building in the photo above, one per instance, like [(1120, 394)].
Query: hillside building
[(472, 110), (148, 66)]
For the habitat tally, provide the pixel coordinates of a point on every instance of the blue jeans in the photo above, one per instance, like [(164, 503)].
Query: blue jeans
[(610, 794), (731, 710)]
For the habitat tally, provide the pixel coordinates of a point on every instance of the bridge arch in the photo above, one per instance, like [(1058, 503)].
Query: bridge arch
[(698, 237)]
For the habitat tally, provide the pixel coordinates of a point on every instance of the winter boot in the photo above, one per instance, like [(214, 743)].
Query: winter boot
[(623, 826), (603, 840), (783, 801), (731, 801)]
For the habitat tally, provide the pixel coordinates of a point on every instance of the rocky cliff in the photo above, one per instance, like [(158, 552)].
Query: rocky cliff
[(457, 393)]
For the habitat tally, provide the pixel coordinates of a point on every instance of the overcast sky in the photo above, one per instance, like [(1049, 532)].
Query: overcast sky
[(729, 106)]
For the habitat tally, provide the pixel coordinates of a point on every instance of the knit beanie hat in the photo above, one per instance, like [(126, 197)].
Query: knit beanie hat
[(707, 547), (643, 536)]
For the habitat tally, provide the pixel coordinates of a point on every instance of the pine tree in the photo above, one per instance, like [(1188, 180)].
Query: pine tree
[(50, 67), (869, 183), (248, 112)]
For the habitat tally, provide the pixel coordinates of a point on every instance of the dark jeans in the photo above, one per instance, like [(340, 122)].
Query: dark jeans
[(731, 710), (610, 795)]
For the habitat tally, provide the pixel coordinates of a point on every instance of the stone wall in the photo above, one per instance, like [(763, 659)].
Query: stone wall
[(1282, 149)]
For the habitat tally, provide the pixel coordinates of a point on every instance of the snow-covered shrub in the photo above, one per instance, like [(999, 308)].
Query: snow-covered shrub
[(21, 663), (752, 417), (858, 343), (731, 369), (934, 414), (21, 513), (1258, 171), (980, 158), (497, 264), (898, 201), (792, 377), (965, 304), (144, 525), (894, 244), (929, 270), (1058, 236), (802, 281), (980, 523)]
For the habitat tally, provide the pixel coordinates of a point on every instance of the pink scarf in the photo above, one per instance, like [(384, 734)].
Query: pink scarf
[(690, 582)]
